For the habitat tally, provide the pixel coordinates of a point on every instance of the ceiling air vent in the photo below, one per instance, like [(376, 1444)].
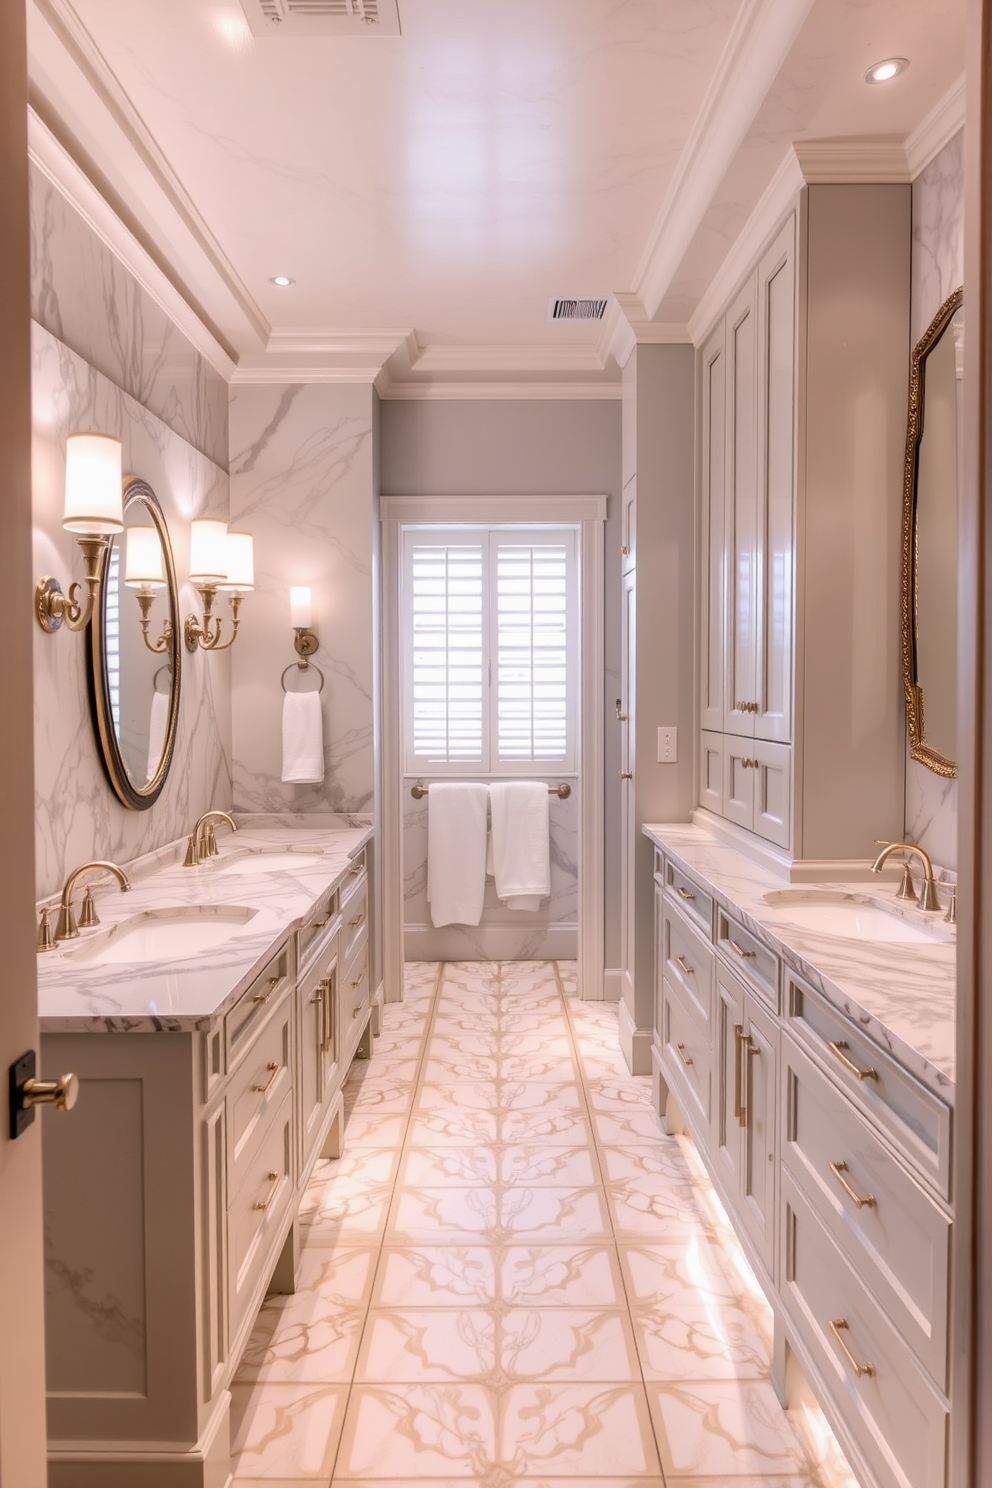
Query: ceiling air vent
[(577, 309), (279, 18)]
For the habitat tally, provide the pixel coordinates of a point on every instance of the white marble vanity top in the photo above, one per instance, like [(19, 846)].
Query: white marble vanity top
[(181, 996), (903, 996)]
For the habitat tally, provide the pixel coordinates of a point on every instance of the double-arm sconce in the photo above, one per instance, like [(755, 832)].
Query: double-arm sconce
[(218, 560)]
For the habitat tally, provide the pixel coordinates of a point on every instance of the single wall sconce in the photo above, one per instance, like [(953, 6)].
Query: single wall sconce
[(301, 618), (144, 570), (94, 511), (218, 560)]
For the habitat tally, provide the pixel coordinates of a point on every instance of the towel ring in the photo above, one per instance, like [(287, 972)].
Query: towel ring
[(295, 666), (168, 672)]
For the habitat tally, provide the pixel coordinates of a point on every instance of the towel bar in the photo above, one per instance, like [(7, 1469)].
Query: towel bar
[(562, 791)]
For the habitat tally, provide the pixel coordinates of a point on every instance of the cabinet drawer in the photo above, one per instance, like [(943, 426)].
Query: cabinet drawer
[(354, 920), (355, 995), (750, 957), (688, 1056), (694, 902), (253, 1006), (259, 1085), (356, 869), (254, 1217), (912, 1117), (312, 933), (688, 963), (896, 1416), (897, 1238)]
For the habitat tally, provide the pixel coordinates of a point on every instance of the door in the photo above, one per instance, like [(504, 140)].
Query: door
[(741, 681), (628, 823), (713, 535), (729, 1088), (22, 1326), (317, 1023), (758, 1060)]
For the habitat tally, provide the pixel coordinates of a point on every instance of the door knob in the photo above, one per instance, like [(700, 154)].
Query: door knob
[(61, 1093), (25, 1091)]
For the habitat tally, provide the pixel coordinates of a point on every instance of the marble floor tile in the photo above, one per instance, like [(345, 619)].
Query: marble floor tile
[(724, 1429), (582, 1429), (458, 1095), (548, 1067), (288, 1431), (544, 1166), (436, 1276), (563, 1343), (454, 1167), (430, 1216), (554, 1215), (561, 1276), (415, 1431), (417, 1345), (459, 1128), (363, 1130)]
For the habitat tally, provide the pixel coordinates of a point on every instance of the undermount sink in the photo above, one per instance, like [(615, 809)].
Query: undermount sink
[(255, 861), (852, 917), (164, 934)]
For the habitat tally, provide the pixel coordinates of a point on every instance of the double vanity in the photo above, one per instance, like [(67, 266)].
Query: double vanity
[(211, 1019), (805, 1037)]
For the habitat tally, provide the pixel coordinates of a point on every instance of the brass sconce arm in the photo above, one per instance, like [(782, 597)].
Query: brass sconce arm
[(146, 599), (207, 634), (53, 609)]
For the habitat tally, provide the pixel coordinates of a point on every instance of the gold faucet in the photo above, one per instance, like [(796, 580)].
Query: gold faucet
[(67, 929), (202, 843), (930, 899)]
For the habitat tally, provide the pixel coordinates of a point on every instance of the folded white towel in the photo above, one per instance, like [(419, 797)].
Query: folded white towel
[(456, 852), (302, 738), (158, 723), (521, 842)]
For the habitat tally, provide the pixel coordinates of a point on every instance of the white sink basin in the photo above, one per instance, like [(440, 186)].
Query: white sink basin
[(851, 917), (164, 935), (260, 860)]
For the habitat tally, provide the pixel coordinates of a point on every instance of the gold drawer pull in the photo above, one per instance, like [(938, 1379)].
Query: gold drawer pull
[(356, 1011), (264, 1089), (837, 1326), (839, 1169), (319, 924), (837, 1047), (626, 774), (264, 1203), (357, 981), (684, 893), (744, 955), (689, 970), (356, 921), (354, 872), (263, 997), (685, 1058)]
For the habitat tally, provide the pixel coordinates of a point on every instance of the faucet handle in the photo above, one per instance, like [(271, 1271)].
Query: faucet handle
[(906, 890), (46, 940), (192, 857), (951, 917), (88, 916)]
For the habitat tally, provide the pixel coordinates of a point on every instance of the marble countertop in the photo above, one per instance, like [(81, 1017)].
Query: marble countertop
[(903, 996), (191, 995)]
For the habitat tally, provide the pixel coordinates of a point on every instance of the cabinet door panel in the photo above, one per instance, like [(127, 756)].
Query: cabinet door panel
[(711, 772), (628, 825), (738, 782), (713, 523), (742, 515), (628, 525), (772, 786), (759, 1061), (728, 1138)]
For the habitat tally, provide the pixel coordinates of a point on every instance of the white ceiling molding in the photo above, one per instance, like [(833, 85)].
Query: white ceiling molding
[(759, 42), (343, 341), (82, 104), (58, 167), (833, 162), (496, 392), (473, 360), (937, 130), (466, 508), (268, 373), (778, 197)]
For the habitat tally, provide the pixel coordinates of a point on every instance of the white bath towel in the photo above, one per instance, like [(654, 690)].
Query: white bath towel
[(456, 852), (521, 842), (158, 724), (302, 738)]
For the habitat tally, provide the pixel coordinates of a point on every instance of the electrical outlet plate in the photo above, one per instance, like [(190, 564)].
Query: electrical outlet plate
[(668, 745)]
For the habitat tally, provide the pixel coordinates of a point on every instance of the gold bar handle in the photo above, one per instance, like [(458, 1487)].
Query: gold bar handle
[(685, 1058), (354, 872), (264, 1089), (689, 970), (264, 1203), (319, 924), (839, 1169), (683, 893), (837, 1326), (740, 951), (738, 1032), (748, 1047), (328, 985), (356, 921), (263, 997), (837, 1047)]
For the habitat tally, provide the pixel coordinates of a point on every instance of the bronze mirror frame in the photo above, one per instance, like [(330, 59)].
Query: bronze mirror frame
[(137, 798), (918, 747)]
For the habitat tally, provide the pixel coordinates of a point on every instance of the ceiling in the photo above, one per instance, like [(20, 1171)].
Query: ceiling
[(429, 193)]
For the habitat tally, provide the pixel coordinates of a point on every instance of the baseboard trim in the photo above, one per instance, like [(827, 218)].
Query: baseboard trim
[(207, 1464), (491, 942), (635, 1043), (612, 984)]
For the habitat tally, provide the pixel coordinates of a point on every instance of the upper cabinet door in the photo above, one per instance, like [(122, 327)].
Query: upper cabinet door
[(628, 525), (776, 464), (713, 530), (741, 681)]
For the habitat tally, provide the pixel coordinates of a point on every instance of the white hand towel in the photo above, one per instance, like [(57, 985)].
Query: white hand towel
[(521, 842), (456, 852), (158, 723), (302, 738)]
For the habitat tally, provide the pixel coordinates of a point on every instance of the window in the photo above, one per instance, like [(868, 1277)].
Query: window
[(489, 621)]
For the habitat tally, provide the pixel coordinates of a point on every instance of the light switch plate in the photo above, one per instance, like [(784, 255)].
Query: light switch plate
[(668, 745)]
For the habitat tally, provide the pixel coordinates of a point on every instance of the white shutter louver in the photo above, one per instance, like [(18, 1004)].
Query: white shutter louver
[(531, 652), (448, 696)]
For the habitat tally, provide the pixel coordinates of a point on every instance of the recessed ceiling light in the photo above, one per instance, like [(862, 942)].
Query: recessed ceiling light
[(884, 72), (282, 281)]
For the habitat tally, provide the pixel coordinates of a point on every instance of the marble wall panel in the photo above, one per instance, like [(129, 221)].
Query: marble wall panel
[(77, 815), (938, 268), (83, 295), (302, 483)]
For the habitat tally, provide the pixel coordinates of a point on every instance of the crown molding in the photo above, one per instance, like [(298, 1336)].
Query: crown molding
[(830, 162), (383, 341), (485, 392), (465, 508), (939, 127), (759, 42), (523, 360), (268, 374)]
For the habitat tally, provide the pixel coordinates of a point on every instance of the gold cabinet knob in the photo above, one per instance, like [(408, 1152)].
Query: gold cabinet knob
[(61, 1093), (626, 774)]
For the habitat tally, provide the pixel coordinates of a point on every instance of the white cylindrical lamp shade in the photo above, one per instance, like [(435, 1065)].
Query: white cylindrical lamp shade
[(93, 485), (144, 567), (300, 608), (240, 562), (208, 551)]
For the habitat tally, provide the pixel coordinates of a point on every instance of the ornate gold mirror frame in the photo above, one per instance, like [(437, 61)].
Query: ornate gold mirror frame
[(919, 749), (167, 645)]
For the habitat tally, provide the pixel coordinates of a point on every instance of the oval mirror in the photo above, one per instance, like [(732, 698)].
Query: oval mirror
[(930, 540), (135, 652)]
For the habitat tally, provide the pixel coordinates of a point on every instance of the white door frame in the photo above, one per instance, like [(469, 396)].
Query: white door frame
[(588, 513)]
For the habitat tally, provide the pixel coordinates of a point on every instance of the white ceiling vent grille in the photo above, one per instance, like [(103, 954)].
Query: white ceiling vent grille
[(587, 308), (279, 18)]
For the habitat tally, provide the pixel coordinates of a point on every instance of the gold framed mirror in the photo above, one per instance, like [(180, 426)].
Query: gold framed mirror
[(136, 653), (930, 540)]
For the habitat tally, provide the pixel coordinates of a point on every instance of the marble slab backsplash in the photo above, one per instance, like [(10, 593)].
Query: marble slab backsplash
[(937, 269), (302, 484), (77, 815), (83, 295)]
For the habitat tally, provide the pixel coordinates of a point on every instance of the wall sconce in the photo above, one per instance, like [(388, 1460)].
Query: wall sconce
[(144, 570), (218, 560), (94, 510), (301, 617)]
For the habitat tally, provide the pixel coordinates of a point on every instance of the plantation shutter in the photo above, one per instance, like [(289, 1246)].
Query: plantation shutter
[(448, 697), (531, 652)]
